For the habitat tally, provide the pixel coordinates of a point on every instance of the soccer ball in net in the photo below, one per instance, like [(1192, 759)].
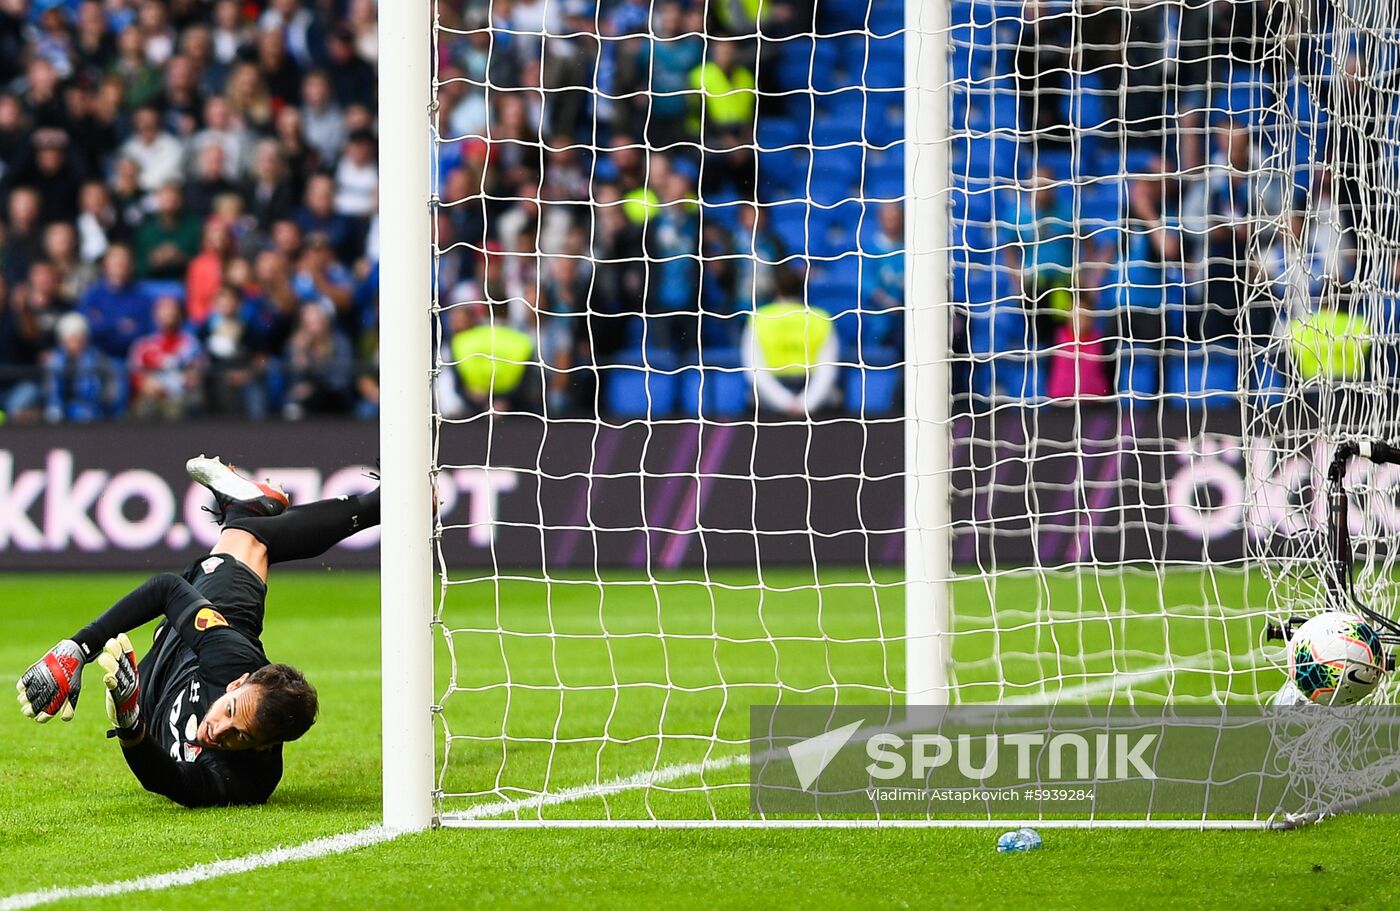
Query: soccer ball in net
[(1335, 659)]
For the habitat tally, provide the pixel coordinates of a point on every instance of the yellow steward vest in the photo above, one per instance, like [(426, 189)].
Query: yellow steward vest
[(491, 360), (1330, 344), (790, 336)]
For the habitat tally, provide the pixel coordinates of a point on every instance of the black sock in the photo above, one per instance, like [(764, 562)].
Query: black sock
[(308, 531)]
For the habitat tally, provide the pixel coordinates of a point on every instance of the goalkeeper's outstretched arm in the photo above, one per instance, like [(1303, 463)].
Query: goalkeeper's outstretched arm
[(50, 686)]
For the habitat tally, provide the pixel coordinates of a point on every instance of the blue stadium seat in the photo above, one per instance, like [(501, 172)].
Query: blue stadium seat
[(719, 390), (884, 127), (635, 390), (1139, 372), (789, 221), (884, 183), (1019, 378), (1102, 208), (779, 133), (154, 288), (833, 75), (872, 392), (838, 117), (891, 158), (726, 215), (886, 17), (837, 167), (834, 231), (884, 67), (783, 175), (835, 131), (1200, 379), (835, 286), (793, 67), (985, 156)]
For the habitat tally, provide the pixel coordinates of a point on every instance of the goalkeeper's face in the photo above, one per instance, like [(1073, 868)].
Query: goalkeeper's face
[(231, 722)]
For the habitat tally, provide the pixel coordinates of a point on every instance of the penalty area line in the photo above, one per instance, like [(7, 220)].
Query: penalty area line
[(321, 847)]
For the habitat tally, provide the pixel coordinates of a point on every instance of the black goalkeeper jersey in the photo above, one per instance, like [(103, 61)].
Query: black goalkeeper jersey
[(207, 640)]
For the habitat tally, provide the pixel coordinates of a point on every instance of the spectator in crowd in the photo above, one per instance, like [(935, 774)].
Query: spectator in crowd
[(320, 366), (674, 58), (205, 276), (1038, 247), (97, 221), (357, 178), (882, 283), (492, 359), (81, 384), (208, 182), (269, 195), (164, 366), (158, 155), (790, 351), (168, 238), (353, 80), (23, 241), (52, 175), (23, 340), (248, 99), (115, 310), (322, 119), (317, 215), (73, 274), (233, 386), (1079, 357), (224, 131), (320, 280), (724, 105), (1329, 343), (278, 69)]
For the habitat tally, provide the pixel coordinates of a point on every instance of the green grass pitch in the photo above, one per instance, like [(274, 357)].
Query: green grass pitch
[(71, 815)]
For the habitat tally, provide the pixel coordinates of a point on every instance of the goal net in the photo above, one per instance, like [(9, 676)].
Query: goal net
[(796, 354)]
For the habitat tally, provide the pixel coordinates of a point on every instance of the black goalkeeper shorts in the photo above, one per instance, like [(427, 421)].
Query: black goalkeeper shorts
[(233, 589)]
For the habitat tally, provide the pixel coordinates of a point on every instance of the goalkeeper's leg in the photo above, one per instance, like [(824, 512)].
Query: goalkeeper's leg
[(303, 532), (258, 539)]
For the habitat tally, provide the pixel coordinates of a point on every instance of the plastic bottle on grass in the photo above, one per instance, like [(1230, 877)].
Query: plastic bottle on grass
[(1018, 840)]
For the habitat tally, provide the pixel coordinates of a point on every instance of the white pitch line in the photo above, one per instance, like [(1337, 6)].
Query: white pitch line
[(584, 792), (1117, 682), (321, 847)]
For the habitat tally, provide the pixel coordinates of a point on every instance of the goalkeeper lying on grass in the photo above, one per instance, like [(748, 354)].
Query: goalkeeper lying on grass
[(203, 719)]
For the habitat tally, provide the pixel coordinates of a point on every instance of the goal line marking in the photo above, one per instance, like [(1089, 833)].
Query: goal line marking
[(321, 847)]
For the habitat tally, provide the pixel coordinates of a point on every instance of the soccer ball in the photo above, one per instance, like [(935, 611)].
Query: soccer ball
[(1335, 659)]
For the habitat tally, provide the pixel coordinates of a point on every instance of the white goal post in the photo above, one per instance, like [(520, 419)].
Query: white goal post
[(667, 288), (406, 338)]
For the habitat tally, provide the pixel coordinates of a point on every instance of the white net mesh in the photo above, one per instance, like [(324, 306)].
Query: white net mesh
[(671, 310)]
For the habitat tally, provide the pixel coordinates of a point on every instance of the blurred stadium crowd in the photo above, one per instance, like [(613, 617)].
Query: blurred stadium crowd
[(1172, 201), (189, 198), (658, 207)]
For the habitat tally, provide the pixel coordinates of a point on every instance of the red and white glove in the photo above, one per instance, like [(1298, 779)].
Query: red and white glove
[(123, 683), (50, 686)]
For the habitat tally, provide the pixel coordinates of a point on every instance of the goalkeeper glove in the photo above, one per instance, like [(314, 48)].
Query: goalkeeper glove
[(123, 683), (50, 686)]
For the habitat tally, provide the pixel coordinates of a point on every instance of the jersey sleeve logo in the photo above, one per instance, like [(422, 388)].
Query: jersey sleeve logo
[(208, 619), (211, 564)]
